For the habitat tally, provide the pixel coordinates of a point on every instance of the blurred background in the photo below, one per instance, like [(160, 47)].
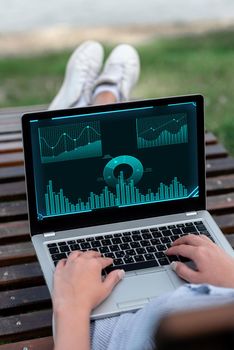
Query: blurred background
[(186, 46)]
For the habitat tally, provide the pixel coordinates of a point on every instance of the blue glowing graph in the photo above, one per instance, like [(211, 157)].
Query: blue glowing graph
[(124, 194), (162, 131), (68, 142)]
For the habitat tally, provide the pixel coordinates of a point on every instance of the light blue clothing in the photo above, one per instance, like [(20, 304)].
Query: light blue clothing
[(134, 331)]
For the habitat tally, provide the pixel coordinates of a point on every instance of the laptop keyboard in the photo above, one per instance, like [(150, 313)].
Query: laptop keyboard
[(131, 250)]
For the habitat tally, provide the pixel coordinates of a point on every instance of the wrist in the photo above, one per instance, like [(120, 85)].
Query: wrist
[(64, 310)]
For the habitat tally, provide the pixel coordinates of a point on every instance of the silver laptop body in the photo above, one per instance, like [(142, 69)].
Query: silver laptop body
[(107, 170)]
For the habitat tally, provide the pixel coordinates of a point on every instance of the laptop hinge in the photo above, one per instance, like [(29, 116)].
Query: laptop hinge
[(49, 234), (191, 213)]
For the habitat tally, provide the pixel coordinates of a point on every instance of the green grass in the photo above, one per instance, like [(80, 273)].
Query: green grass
[(201, 63)]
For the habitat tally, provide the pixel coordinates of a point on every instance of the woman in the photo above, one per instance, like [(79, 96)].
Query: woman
[(78, 284)]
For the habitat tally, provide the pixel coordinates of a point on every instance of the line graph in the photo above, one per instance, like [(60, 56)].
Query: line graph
[(68, 142), (162, 131)]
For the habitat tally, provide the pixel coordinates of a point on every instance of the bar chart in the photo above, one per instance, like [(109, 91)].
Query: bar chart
[(124, 194)]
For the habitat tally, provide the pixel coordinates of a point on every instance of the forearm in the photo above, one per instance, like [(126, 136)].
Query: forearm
[(72, 330)]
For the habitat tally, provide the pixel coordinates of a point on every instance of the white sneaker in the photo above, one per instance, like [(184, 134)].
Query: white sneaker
[(122, 69), (81, 72)]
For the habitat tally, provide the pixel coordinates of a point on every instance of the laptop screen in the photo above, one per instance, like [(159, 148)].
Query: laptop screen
[(91, 162)]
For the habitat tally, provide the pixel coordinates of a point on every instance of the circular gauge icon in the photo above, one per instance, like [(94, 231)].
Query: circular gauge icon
[(129, 166)]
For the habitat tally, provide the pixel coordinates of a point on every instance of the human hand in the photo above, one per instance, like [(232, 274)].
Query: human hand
[(78, 282), (213, 264)]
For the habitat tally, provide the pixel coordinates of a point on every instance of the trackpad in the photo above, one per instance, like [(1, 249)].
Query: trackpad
[(140, 288)]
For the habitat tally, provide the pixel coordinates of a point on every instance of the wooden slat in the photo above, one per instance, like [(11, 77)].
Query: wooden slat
[(24, 299), (225, 222), (14, 173), (10, 128), (222, 166), (25, 326), (16, 276), (11, 159), (215, 151), (16, 253), (14, 231), (221, 204), (219, 185), (210, 138), (32, 344), (13, 190), (14, 210), (11, 137), (11, 147)]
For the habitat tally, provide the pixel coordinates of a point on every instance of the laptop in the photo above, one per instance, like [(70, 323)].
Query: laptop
[(124, 179)]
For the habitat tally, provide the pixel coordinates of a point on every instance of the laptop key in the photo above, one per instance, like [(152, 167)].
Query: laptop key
[(61, 243), (58, 256), (116, 240), (110, 255), (89, 239), (160, 255), (176, 231), (114, 248), (117, 262), (153, 229), (161, 228), (136, 232), (180, 225), (80, 240), (52, 245), (140, 250), (74, 247), (128, 260), (149, 257), (127, 239), (98, 238), (130, 252), (71, 242), (171, 226), (151, 249), (135, 244), (161, 247), (127, 233), (165, 240), (155, 241), (103, 250), (124, 246), (139, 258), (163, 261), (156, 234), (136, 238), (85, 245), (106, 242), (145, 230), (64, 249), (95, 244), (146, 235), (145, 243), (119, 254), (166, 233), (53, 250), (189, 229)]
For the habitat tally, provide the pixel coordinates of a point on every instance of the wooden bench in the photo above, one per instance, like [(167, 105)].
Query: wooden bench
[(25, 305)]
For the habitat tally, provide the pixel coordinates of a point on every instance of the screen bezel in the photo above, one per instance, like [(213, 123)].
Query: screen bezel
[(112, 215)]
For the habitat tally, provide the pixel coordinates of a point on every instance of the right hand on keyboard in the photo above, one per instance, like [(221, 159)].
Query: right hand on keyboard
[(213, 264)]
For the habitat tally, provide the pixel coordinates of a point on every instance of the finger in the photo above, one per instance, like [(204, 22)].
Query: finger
[(112, 279), (190, 239), (91, 254), (184, 271), (105, 262), (184, 250), (61, 264), (74, 255)]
